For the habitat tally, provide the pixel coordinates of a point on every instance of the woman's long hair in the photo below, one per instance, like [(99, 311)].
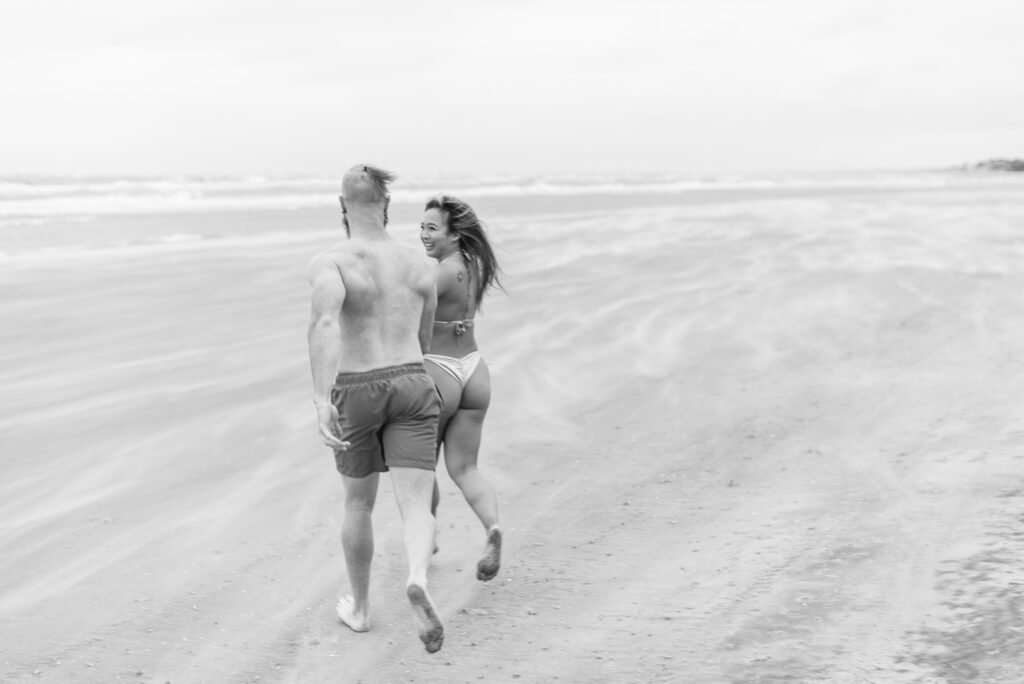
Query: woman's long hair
[(473, 244)]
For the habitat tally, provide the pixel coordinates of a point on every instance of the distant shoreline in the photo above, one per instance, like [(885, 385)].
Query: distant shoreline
[(1011, 165)]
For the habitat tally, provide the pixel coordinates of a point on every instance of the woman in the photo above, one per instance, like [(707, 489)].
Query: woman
[(466, 269)]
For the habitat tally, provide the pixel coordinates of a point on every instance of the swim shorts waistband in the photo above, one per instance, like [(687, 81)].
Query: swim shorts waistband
[(378, 374)]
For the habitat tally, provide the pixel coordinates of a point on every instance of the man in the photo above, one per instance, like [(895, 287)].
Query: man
[(372, 318)]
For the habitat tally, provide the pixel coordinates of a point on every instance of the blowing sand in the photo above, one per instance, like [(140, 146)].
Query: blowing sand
[(769, 441)]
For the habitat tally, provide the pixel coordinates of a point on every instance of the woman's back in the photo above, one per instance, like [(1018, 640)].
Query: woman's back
[(456, 307)]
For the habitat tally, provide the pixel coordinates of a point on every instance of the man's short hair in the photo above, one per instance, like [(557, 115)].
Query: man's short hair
[(365, 184)]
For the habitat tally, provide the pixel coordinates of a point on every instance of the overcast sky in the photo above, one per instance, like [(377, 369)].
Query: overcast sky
[(210, 86)]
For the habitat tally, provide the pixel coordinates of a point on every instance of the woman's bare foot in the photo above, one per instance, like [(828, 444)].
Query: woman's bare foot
[(488, 566)]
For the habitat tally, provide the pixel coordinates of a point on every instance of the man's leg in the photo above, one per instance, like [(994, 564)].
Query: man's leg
[(357, 542), (451, 395), (413, 488)]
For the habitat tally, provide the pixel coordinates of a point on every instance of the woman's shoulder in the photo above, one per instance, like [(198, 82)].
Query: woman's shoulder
[(452, 272)]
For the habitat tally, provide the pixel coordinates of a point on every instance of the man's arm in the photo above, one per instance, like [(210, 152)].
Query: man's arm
[(324, 336), (427, 317)]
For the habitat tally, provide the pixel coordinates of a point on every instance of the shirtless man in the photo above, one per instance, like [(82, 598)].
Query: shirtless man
[(372, 316)]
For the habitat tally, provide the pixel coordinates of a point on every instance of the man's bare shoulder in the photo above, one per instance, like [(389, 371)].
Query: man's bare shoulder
[(338, 256), (409, 250), (425, 266), (409, 255), (326, 263)]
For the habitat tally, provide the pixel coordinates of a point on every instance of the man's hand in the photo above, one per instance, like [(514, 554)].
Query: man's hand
[(330, 429)]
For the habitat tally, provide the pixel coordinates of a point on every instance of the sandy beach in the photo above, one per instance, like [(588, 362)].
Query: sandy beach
[(746, 438)]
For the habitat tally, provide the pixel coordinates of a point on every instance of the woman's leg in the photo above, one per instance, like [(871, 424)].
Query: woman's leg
[(461, 449)]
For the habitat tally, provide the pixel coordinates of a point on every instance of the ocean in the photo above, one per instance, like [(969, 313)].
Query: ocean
[(65, 217)]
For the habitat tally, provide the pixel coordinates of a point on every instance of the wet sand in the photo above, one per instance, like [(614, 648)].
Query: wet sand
[(765, 441)]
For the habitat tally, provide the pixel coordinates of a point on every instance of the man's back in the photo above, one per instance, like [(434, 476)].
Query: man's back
[(388, 291), (372, 313)]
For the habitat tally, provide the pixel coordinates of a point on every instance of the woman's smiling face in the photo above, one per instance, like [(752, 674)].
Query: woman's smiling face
[(435, 236)]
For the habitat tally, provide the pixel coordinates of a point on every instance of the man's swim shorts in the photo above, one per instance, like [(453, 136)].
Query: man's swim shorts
[(389, 416)]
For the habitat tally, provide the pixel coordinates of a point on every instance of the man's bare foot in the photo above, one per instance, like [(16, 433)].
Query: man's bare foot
[(357, 622), (428, 625), (488, 566)]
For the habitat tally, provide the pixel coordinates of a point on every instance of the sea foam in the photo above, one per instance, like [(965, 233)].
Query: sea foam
[(22, 197)]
